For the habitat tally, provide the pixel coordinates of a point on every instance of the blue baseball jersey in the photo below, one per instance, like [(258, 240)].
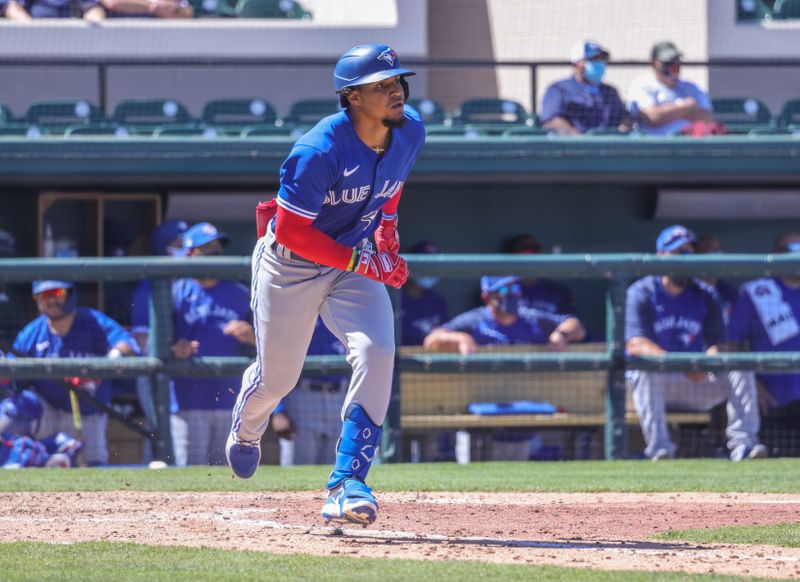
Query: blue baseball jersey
[(548, 295), (585, 106), (766, 317), (533, 326), (421, 315), (201, 314), (335, 179), (728, 295), (140, 308), (92, 334), (688, 322)]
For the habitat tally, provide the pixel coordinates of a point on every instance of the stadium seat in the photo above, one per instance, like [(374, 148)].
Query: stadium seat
[(58, 115), (786, 9), (525, 131), (5, 114), (463, 131), (188, 130), (271, 9), (741, 114), (790, 113), (605, 131), (146, 115), (213, 8), (233, 115), (431, 111), (492, 111), (270, 131), (752, 10), (28, 130), (309, 111), (96, 130)]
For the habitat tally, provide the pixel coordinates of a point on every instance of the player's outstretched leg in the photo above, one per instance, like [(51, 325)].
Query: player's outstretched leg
[(349, 497)]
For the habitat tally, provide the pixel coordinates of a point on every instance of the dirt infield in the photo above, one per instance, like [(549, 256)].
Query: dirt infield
[(600, 531)]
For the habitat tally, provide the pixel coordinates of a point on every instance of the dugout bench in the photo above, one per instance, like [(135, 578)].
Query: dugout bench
[(437, 402)]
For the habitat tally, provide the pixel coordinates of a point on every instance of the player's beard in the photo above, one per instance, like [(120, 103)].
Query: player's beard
[(394, 123)]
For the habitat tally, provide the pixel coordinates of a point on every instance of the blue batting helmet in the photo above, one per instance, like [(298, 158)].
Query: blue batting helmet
[(367, 63), (24, 407)]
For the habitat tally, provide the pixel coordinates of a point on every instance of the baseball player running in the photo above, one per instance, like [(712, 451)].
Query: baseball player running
[(340, 184)]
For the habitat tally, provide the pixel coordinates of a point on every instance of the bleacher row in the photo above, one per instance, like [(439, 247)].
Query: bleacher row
[(255, 117), (249, 9)]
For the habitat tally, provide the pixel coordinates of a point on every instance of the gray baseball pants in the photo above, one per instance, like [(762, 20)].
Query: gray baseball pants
[(92, 435), (654, 393), (287, 295)]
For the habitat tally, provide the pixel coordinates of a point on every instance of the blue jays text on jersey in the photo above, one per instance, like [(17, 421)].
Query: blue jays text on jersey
[(335, 179), (92, 334)]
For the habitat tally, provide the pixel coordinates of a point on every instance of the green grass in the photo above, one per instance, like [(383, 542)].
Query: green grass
[(763, 476), (786, 535), (131, 562)]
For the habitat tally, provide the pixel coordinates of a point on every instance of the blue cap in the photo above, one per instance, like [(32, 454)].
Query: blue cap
[(24, 406), (674, 237), (586, 49), (165, 233), (492, 284), (42, 286), (367, 63), (201, 234)]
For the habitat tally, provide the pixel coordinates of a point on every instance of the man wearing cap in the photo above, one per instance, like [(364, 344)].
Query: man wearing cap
[(422, 308), (681, 314), (661, 102), (165, 240), (503, 321), (766, 318), (583, 102), (64, 330), (212, 318)]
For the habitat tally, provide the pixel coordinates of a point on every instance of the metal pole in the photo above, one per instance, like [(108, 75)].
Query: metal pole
[(160, 347), (390, 440), (102, 88), (616, 445), (534, 89)]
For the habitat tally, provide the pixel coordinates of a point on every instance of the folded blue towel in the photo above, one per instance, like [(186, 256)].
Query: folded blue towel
[(514, 407)]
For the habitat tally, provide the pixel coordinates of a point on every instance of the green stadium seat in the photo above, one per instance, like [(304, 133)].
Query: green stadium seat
[(752, 10), (493, 112), (525, 132), (148, 114), (58, 115), (790, 113), (431, 111), (769, 131), (606, 131), (741, 114), (21, 129), (233, 115), (5, 114), (213, 8), (189, 130), (310, 111), (786, 9), (271, 131), (271, 9), (462, 131), (96, 130)]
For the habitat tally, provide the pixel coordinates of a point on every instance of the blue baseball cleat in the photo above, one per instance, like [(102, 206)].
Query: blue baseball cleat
[(351, 502), (243, 456)]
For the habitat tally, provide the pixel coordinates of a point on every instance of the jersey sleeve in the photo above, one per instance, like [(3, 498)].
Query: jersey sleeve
[(552, 104), (741, 319), (638, 319), (465, 322), (702, 98), (24, 342), (140, 308), (114, 332), (306, 176), (640, 96)]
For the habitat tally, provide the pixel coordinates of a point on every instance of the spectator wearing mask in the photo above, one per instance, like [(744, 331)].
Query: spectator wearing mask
[(583, 102), (24, 10), (423, 309), (664, 104)]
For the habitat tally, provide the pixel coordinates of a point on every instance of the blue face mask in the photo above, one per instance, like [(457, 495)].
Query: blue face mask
[(593, 71), (175, 252), (508, 303), (427, 282), (793, 247)]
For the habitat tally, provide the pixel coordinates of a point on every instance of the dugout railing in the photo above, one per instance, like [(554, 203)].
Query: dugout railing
[(616, 269)]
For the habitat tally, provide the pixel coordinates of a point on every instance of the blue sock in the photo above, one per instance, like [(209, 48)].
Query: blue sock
[(356, 448)]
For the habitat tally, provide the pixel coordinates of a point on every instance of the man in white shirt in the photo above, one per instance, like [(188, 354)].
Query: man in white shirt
[(661, 102)]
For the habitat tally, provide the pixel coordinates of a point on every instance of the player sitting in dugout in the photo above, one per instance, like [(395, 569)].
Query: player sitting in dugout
[(504, 321), (20, 418)]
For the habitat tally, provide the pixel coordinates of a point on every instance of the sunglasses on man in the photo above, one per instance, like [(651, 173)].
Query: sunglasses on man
[(58, 293)]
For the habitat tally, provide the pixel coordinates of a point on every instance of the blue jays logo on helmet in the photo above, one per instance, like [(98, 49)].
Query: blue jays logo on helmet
[(389, 56)]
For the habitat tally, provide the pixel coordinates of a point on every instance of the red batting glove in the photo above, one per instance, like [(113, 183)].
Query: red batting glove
[(264, 213), (387, 240), (381, 266)]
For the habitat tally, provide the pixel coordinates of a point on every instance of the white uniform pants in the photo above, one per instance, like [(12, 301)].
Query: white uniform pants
[(287, 295), (655, 393)]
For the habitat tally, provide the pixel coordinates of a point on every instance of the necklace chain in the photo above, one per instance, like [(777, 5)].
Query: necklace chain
[(382, 148)]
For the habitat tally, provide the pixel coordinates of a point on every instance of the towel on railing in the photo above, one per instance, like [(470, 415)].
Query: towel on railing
[(514, 407), (775, 314)]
